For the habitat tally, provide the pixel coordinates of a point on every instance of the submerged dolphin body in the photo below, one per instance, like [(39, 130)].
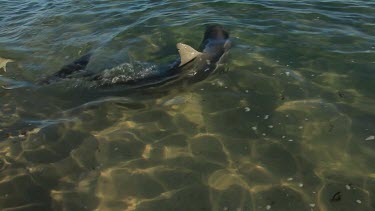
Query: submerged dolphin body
[(192, 64)]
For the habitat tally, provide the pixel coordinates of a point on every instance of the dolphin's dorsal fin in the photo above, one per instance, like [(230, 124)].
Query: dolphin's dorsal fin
[(187, 53)]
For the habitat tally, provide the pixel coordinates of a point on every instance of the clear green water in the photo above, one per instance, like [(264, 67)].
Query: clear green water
[(282, 126)]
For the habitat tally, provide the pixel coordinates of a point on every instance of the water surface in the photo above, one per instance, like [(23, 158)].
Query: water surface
[(287, 122)]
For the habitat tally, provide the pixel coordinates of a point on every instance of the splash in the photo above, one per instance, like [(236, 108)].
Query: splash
[(127, 73)]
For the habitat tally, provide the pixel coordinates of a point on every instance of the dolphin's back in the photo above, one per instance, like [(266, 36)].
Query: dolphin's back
[(214, 44)]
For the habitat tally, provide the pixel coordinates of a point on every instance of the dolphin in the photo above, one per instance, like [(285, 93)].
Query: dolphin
[(192, 65)]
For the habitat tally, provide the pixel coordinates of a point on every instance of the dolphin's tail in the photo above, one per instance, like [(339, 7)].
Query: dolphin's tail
[(77, 65)]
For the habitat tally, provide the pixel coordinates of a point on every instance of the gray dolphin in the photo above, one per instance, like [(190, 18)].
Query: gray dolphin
[(192, 64)]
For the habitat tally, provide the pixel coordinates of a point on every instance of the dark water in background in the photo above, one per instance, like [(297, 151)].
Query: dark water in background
[(286, 124)]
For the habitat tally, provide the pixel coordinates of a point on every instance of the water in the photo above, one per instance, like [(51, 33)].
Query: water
[(286, 123)]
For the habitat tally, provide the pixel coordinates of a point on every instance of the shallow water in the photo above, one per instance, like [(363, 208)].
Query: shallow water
[(287, 122)]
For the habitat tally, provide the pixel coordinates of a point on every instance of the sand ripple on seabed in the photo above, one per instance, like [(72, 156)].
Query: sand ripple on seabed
[(326, 142), (147, 161), (166, 158), (256, 180), (151, 160)]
